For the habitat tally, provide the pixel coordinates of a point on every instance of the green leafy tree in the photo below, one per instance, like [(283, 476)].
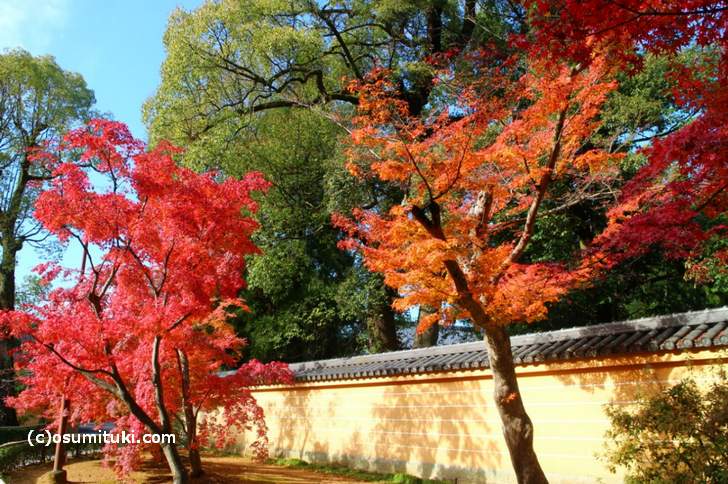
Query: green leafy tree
[(229, 67), (38, 101)]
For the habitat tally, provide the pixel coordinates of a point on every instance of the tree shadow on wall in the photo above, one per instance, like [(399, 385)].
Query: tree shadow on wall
[(443, 430), (626, 378), (568, 405), (295, 428)]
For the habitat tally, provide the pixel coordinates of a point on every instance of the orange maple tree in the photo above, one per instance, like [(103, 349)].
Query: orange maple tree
[(483, 165), (476, 174)]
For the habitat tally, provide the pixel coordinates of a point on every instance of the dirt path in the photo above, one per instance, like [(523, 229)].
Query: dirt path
[(220, 470)]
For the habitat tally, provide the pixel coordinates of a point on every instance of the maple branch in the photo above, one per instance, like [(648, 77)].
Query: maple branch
[(412, 160), (125, 395), (165, 267), (109, 280), (84, 246), (158, 387), (190, 419), (120, 390), (178, 322), (536, 203), (433, 226), (710, 198), (456, 273), (79, 369), (144, 269), (87, 373), (456, 177)]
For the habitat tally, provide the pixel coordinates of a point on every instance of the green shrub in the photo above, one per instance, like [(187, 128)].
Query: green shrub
[(405, 479), (677, 436), (342, 470)]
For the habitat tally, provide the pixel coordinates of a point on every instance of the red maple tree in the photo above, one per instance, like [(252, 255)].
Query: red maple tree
[(138, 334), (679, 198)]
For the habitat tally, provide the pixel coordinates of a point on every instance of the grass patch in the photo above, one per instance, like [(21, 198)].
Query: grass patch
[(341, 470)]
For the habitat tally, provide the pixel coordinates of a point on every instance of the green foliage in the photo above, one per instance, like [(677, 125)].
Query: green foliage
[(40, 95), (18, 455), (677, 436), (294, 284), (39, 102), (344, 471), (642, 104), (648, 286), (31, 291)]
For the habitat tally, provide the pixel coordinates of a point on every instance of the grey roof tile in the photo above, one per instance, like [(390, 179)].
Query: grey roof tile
[(671, 342), (707, 338), (697, 329), (615, 344), (689, 340)]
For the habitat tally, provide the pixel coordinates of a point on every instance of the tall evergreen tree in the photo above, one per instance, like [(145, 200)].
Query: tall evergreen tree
[(38, 102)]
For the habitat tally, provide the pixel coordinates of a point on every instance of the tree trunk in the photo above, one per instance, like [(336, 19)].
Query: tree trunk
[(195, 462), (383, 328), (171, 455), (179, 473), (174, 461), (7, 280), (190, 417), (59, 461), (8, 417), (517, 426), (428, 337)]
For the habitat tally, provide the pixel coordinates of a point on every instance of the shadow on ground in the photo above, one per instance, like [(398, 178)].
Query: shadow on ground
[(219, 470)]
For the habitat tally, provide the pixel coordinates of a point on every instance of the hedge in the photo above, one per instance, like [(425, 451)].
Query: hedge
[(14, 455)]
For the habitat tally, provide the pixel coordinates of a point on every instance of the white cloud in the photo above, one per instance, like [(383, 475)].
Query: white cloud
[(31, 24)]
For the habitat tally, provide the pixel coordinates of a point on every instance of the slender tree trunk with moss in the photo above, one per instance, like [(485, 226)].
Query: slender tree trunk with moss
[(190, 418), (8, 416)]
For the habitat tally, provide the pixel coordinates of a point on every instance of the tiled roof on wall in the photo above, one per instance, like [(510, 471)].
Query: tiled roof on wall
[(697, 329)]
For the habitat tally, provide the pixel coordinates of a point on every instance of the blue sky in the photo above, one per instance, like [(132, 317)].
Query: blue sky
[(116, 45)]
